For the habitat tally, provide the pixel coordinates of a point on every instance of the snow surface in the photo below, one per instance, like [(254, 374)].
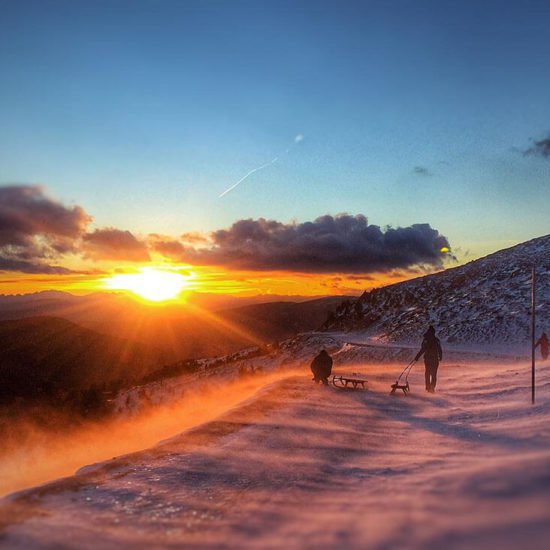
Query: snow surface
[(303, 466)]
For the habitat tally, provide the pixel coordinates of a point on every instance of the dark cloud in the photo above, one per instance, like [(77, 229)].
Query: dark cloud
[(175, 249), (359, 278), (35, 229), (422, 171), (36, 232), (539, 148), (23, 266), (25, 211), (114, 244), (168, 247), (344, 243)]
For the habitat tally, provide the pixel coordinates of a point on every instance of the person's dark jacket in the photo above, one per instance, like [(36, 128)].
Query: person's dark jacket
[(431, 349), (321, 366)]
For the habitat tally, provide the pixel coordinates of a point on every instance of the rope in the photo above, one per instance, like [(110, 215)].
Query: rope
[(407, 368)]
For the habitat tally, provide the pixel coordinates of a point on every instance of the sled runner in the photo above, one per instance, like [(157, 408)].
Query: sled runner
[(349, 382), (404, 386)]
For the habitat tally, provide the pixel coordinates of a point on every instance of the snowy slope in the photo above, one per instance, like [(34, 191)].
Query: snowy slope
[(303, 466), (486, 301)]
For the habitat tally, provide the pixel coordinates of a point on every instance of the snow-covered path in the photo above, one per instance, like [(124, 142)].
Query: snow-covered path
[(303, 466)]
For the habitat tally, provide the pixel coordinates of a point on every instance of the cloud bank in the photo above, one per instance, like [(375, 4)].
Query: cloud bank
[(36, 230), (114, 244), (339, 244)]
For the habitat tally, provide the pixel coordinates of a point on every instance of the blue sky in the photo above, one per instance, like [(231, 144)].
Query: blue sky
[(143, 112)]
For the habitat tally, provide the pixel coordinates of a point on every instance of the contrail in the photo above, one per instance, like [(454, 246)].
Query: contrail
[(249, 174), (297, 139)]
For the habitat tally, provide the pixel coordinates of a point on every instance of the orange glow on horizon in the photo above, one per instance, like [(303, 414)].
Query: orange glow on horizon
[(179, 281)]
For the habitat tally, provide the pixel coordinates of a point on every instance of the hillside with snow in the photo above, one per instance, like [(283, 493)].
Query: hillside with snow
[(486, 301)]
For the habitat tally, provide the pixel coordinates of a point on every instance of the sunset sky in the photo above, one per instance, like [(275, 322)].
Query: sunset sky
[(124, 121)]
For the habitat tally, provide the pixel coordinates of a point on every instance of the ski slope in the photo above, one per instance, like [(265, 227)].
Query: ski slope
[(303, 466)]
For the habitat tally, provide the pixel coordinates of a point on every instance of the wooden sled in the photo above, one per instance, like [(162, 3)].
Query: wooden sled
[(349, 382), (398, 386), (404, 386)]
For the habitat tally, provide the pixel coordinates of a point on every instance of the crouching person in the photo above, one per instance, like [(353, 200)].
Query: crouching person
[(321, 367)]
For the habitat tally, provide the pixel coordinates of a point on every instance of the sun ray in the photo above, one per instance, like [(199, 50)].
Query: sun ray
[(230, 327)]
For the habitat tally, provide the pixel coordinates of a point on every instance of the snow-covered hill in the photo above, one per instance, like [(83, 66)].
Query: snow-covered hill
[(486, 301)]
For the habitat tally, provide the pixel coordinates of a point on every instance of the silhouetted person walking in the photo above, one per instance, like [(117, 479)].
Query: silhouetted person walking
[(543, 343), (321, 367), (431, 349)]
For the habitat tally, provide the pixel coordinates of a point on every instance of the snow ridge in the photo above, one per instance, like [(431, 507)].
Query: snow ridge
[(486, 301)]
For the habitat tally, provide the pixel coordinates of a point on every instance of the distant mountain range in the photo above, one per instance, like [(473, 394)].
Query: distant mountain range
[(180, 332), (485, 301), (278, 320)]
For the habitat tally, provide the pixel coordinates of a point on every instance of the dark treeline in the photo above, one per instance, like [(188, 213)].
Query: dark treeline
[(57, 363), (53, 364)]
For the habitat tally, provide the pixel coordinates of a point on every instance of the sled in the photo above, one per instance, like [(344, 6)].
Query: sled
[(398, 386), (404, 386), (349, 382)]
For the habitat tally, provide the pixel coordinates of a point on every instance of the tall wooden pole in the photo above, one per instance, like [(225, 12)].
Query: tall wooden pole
[(533, 296)]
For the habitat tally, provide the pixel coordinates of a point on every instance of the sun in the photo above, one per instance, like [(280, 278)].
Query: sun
[(152, 284)]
